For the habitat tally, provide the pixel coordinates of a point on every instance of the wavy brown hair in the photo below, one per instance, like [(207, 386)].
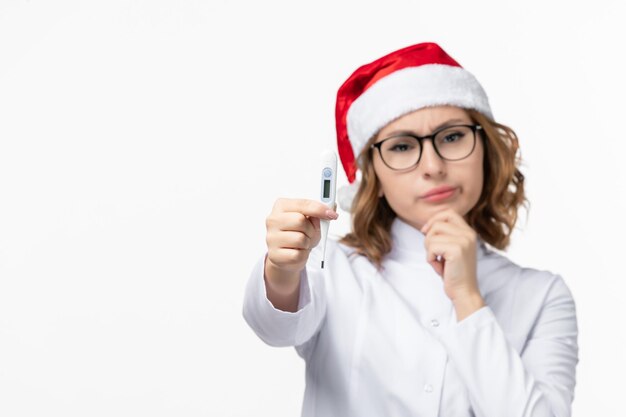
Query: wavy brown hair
[(493, 217)]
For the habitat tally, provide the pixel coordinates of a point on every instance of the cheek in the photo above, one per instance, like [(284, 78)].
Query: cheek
[(393, 186), (475, 177), (389, 180), (476, 185), (381, 173)]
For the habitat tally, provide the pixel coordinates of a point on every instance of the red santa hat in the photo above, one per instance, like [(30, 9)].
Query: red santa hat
[(401, 82)]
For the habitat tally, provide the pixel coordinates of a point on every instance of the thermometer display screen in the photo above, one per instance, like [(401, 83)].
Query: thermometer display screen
[(326, 188)]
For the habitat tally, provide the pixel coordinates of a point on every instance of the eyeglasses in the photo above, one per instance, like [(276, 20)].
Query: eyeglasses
[(452, 143)]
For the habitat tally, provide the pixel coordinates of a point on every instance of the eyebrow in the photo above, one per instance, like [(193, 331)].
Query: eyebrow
[(439, 126)]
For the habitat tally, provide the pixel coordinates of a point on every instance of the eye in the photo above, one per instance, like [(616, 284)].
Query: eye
[(452, 137), (400, 145)]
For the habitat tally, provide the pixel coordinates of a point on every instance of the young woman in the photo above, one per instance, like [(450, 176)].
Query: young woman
[(414, 314)]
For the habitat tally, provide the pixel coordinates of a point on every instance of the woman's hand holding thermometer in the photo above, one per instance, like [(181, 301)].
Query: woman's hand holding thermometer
[(293, 229)]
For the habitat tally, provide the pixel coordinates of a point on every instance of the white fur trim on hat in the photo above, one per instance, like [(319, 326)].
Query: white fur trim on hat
[(345, 195), (411, 89)]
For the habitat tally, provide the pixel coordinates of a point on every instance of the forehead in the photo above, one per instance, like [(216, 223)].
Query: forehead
[(425, 120)]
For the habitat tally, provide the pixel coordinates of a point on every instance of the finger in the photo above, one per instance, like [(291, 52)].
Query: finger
[(438, 267), (281, 256), (310, 208), (436, 252), (447, 228), (433, 219), (295, 222), (448, 215), (444, 232), (315, 222), (448, 247), (288, 240), (442, 227), (441, 216), (294, 240)]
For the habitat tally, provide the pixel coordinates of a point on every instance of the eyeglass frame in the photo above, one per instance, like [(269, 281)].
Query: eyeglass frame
[(474, 128)]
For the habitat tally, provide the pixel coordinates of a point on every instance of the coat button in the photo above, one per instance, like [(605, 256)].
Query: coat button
[(428, 388), (434, 323)]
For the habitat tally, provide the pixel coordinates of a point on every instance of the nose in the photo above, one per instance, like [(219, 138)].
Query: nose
[(431, 163)]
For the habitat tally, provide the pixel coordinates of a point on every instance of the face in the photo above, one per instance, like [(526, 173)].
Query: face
[(405, 190)]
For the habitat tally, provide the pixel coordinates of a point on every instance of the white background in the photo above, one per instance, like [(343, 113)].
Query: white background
[(142, 144)]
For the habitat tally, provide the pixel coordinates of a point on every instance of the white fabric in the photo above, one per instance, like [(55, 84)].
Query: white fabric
[(388, 344), (410, 89), (346, 194)]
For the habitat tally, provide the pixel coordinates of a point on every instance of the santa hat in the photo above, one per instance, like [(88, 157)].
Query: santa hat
[(401, 82)]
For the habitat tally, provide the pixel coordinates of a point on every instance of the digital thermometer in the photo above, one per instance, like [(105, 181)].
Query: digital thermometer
[(328, 190)]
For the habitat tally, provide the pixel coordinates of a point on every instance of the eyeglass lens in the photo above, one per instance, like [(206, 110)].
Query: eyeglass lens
[(453, 143)]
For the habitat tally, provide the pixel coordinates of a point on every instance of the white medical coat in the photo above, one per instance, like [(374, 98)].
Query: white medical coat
[(388, 343)]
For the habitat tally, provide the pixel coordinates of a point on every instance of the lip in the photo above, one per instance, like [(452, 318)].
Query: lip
[(439, 193)]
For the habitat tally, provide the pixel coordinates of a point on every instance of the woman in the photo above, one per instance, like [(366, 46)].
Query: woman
[(415, 315)]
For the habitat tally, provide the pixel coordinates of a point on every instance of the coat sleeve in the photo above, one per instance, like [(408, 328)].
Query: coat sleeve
[(281, 328), (540, 382)]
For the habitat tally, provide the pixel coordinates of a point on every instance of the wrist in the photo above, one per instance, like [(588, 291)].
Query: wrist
[(467, 304), (281, 280)]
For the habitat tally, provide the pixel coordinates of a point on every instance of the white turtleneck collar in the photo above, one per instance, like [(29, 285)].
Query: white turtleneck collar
[(408, 243)]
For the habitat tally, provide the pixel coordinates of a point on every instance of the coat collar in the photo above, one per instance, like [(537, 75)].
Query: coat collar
[(408, 243)]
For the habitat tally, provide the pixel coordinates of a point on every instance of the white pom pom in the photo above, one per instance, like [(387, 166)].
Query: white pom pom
[(346, 194)]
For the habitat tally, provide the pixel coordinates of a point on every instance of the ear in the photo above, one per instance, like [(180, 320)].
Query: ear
[(380, 193)]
